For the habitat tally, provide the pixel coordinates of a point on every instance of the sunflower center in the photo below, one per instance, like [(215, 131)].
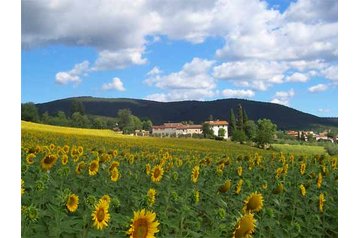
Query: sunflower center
[(93, 166), (156, 173), (253, 203), (100, 215), (72, 201), (49, 159), (141, 230)]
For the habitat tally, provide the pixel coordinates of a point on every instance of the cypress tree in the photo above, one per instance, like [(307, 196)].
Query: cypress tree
[(232, 122)]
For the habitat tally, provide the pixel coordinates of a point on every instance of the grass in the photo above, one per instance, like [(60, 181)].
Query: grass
[(299, 149)]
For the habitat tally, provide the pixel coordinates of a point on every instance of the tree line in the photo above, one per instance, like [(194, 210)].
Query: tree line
[(125, 121)]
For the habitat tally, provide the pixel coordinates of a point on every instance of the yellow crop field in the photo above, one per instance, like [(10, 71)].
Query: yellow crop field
[(96, 183)]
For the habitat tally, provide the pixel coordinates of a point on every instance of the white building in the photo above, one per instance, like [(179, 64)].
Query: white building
[(217, 125), (168, 129)]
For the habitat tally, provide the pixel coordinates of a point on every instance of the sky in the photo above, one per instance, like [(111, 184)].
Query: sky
[(277, 51)]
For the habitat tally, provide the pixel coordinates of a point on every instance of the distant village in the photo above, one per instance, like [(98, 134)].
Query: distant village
[(175, 129), (170, 129)]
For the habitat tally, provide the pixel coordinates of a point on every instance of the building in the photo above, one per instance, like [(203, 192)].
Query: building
[(217, 125), (176, 129)]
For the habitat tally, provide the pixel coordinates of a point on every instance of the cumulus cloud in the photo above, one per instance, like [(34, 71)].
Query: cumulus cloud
[(230, 93), (194, 75), (116, 84), (73, 75), (297, 77), (193, 81), (303, 38), (251, 73), (318, 88), (283, 97)]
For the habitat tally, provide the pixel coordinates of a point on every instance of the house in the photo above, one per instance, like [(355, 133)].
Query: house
[(217, 125), (176, 129)]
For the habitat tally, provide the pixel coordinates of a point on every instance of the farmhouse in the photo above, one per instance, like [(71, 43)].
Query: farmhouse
[(176, 129), (217, 125)]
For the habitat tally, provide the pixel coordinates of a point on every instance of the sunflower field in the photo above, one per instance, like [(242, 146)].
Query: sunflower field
[(92, 183)]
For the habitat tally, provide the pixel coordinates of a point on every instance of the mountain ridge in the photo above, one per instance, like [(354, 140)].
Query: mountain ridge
[(196, 111)]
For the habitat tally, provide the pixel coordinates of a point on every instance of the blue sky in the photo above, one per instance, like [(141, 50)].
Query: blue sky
[(276, 51)]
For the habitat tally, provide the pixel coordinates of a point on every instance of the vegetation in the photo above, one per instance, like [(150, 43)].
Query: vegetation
[(97, 183), (196, 111)]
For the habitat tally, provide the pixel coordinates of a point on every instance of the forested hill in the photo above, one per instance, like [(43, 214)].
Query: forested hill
[(196, 111)]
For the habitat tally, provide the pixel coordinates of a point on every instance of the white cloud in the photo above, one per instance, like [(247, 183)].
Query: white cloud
[(120, 59), (73, 75), (230, 93), (331, 72), (116, 84), (194, 75), (181, 94), (154, 71), (283, 97), (318, 88), (324, 110), (297, 77), (251, 73)]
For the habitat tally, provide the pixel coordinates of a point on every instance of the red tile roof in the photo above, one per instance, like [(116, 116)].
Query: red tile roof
[(217, 123)]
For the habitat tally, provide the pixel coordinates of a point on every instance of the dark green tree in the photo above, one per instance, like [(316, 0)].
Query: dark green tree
[(207, 131), (45, 118), (124, 118), (221, 132), (265, 132), (240, 118), (147, 125), (29, 112), (232, 122), (250, 130), (79, 120), (77, 106)]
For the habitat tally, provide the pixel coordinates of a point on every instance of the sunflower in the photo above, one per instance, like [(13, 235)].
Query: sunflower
[(114, 174), (147, 169), (302, 168), (319, 180), (239, 171), (114, 164), (253, 203), (157, 173), (321, 202), (30, 158), (245, 226), (106, 198), (80, 150), (52, 147), (151, 196), (48, 162), (64, 159), (93, 167), (100, 215), (80, 166), (239, 186), (22, 187), (195, 174), (278, 172), (66, 149), (143, 225), (72, 203), (278, 189), (303, 190), (196, 196), (225, 187), (285, 169)]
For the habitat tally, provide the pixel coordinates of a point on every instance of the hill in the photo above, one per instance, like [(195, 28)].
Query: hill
[(196, 111)]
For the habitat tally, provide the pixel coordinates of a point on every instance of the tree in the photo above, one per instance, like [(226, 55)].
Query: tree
[(124, 118), (77, 106), (250, 129), (265, 132), (232, 122), (45, 118), (240, 118), (79, 120), (207, 131), (147, 125), (221, 132), (29, 112)]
